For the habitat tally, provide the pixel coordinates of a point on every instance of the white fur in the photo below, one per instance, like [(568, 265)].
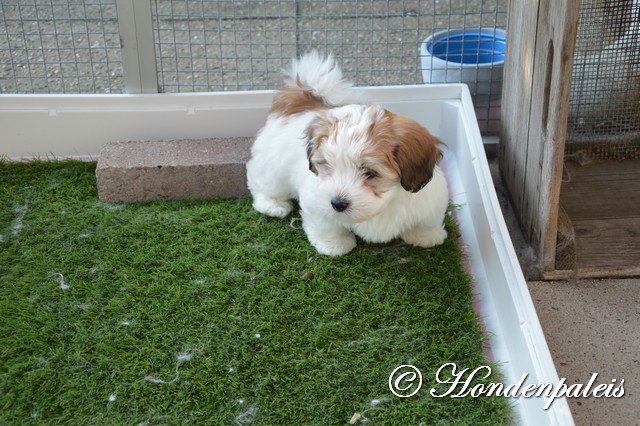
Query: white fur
[(323, 77), (278, 172)]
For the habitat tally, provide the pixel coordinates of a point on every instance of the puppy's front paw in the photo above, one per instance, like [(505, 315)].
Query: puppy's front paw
[(336, 246), (425, 237), (272, 207)]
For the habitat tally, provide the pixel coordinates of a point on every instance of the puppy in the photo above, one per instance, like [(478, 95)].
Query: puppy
[(355, 168)]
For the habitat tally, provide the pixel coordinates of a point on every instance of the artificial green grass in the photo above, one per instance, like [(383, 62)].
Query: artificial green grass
[(211, 313)]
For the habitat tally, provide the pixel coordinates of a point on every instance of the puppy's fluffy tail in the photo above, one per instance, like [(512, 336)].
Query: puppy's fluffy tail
[(321, 76)]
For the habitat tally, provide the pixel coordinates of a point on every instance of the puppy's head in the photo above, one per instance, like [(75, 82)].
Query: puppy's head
[(363, 155)]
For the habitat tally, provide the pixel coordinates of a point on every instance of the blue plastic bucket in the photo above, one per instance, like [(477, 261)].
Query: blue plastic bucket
[(474, 56)]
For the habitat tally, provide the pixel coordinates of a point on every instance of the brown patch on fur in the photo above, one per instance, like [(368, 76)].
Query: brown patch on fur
[(381, 158), (296, 100), (410, 146), (385, 170), (317, 132)]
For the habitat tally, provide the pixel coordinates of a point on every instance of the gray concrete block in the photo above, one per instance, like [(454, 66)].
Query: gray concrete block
[(173, 170)]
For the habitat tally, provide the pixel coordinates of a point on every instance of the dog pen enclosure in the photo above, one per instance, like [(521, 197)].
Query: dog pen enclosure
[(69, 47), (569, 152), (178, 46)]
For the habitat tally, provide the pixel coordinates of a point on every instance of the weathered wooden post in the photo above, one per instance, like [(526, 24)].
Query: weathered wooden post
[(541, 36)]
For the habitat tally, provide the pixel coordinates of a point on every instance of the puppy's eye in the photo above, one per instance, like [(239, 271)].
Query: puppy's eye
[(322, 164), (370, 174)]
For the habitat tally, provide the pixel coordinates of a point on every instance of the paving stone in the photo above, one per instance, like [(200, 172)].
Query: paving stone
[(173, 170)]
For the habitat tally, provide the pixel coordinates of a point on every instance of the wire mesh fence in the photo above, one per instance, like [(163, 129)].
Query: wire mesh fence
[(75, 46), (230, 45), (605, 93), (59, 47)]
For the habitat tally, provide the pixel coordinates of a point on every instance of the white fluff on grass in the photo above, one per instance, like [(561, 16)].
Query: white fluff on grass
[(18, 222), (247, 417), (61, 281), (180, 358)]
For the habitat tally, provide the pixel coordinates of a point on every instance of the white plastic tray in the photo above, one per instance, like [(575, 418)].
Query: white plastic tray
[(77, 126)]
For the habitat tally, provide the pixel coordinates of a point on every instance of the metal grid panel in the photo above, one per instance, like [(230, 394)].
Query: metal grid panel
[(605, 91), (221, 45), (73, 46), (59, 46), (239, 45)]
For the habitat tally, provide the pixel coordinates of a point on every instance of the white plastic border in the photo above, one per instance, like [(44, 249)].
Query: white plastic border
[(77, 126)]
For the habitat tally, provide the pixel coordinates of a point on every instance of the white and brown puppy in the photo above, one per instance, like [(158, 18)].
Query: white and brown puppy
[(355, 168)]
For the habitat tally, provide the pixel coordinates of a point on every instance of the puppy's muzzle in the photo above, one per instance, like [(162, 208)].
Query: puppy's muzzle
[(339, 204)]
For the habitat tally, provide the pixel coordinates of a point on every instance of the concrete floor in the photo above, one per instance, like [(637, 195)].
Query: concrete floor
[(591, 326)]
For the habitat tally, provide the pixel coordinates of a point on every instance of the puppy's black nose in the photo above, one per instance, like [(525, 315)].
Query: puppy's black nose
[(339, 204)]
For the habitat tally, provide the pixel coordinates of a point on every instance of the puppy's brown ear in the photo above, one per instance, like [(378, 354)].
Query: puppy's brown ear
[(416, 151), (316, 133)]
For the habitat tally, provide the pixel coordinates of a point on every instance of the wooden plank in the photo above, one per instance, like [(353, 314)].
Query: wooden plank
[(608, 244), (533, 137), (604, 189), (597, 169), (602, 200), (588, 272), (522, 21), (557, 29)]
